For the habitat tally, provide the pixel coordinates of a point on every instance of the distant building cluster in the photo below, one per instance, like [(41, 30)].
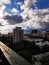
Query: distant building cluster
[(18, 35)]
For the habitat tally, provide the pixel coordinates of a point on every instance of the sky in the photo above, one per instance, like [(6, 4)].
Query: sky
[(28, 14)]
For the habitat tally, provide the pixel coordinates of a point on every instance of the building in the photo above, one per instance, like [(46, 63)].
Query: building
[(17, 35), (34, 31)]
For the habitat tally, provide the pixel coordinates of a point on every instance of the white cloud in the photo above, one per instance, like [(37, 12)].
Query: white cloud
[(31, 18), (6, 29), (2, 14), (5, 2), (2, 8), (38, 16), (19, 3), (34, 17), (46, 18), (2, 21), (14, 10), (28, 3)]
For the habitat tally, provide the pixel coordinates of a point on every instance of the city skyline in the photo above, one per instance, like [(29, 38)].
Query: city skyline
[(24, 13)]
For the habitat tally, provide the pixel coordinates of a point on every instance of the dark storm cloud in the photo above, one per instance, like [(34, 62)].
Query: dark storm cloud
[(13, 19), (1, 24)]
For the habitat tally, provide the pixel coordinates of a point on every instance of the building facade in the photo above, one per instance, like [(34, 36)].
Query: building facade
[(17, 35)]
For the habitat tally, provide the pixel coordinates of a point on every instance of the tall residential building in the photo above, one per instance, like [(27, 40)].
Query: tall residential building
[(17, 35)]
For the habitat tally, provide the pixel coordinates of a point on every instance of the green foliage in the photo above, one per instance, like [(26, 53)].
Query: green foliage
[(6, 39)]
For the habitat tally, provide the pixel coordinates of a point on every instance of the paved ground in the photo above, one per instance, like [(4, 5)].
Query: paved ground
[(3, 60)]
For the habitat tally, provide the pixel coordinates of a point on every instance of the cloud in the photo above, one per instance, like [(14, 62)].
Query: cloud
[(14, 10), (2, 14), (45, 25), (8, 20), (5, 2), (28, 3), (29, 18), (13, 19), (6, 29), (3, 7), (0, 24), (19, 3), (46, 18), (4, 22), (33, 17)]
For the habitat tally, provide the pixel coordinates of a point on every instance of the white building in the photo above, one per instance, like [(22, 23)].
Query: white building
[(17, 35)]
